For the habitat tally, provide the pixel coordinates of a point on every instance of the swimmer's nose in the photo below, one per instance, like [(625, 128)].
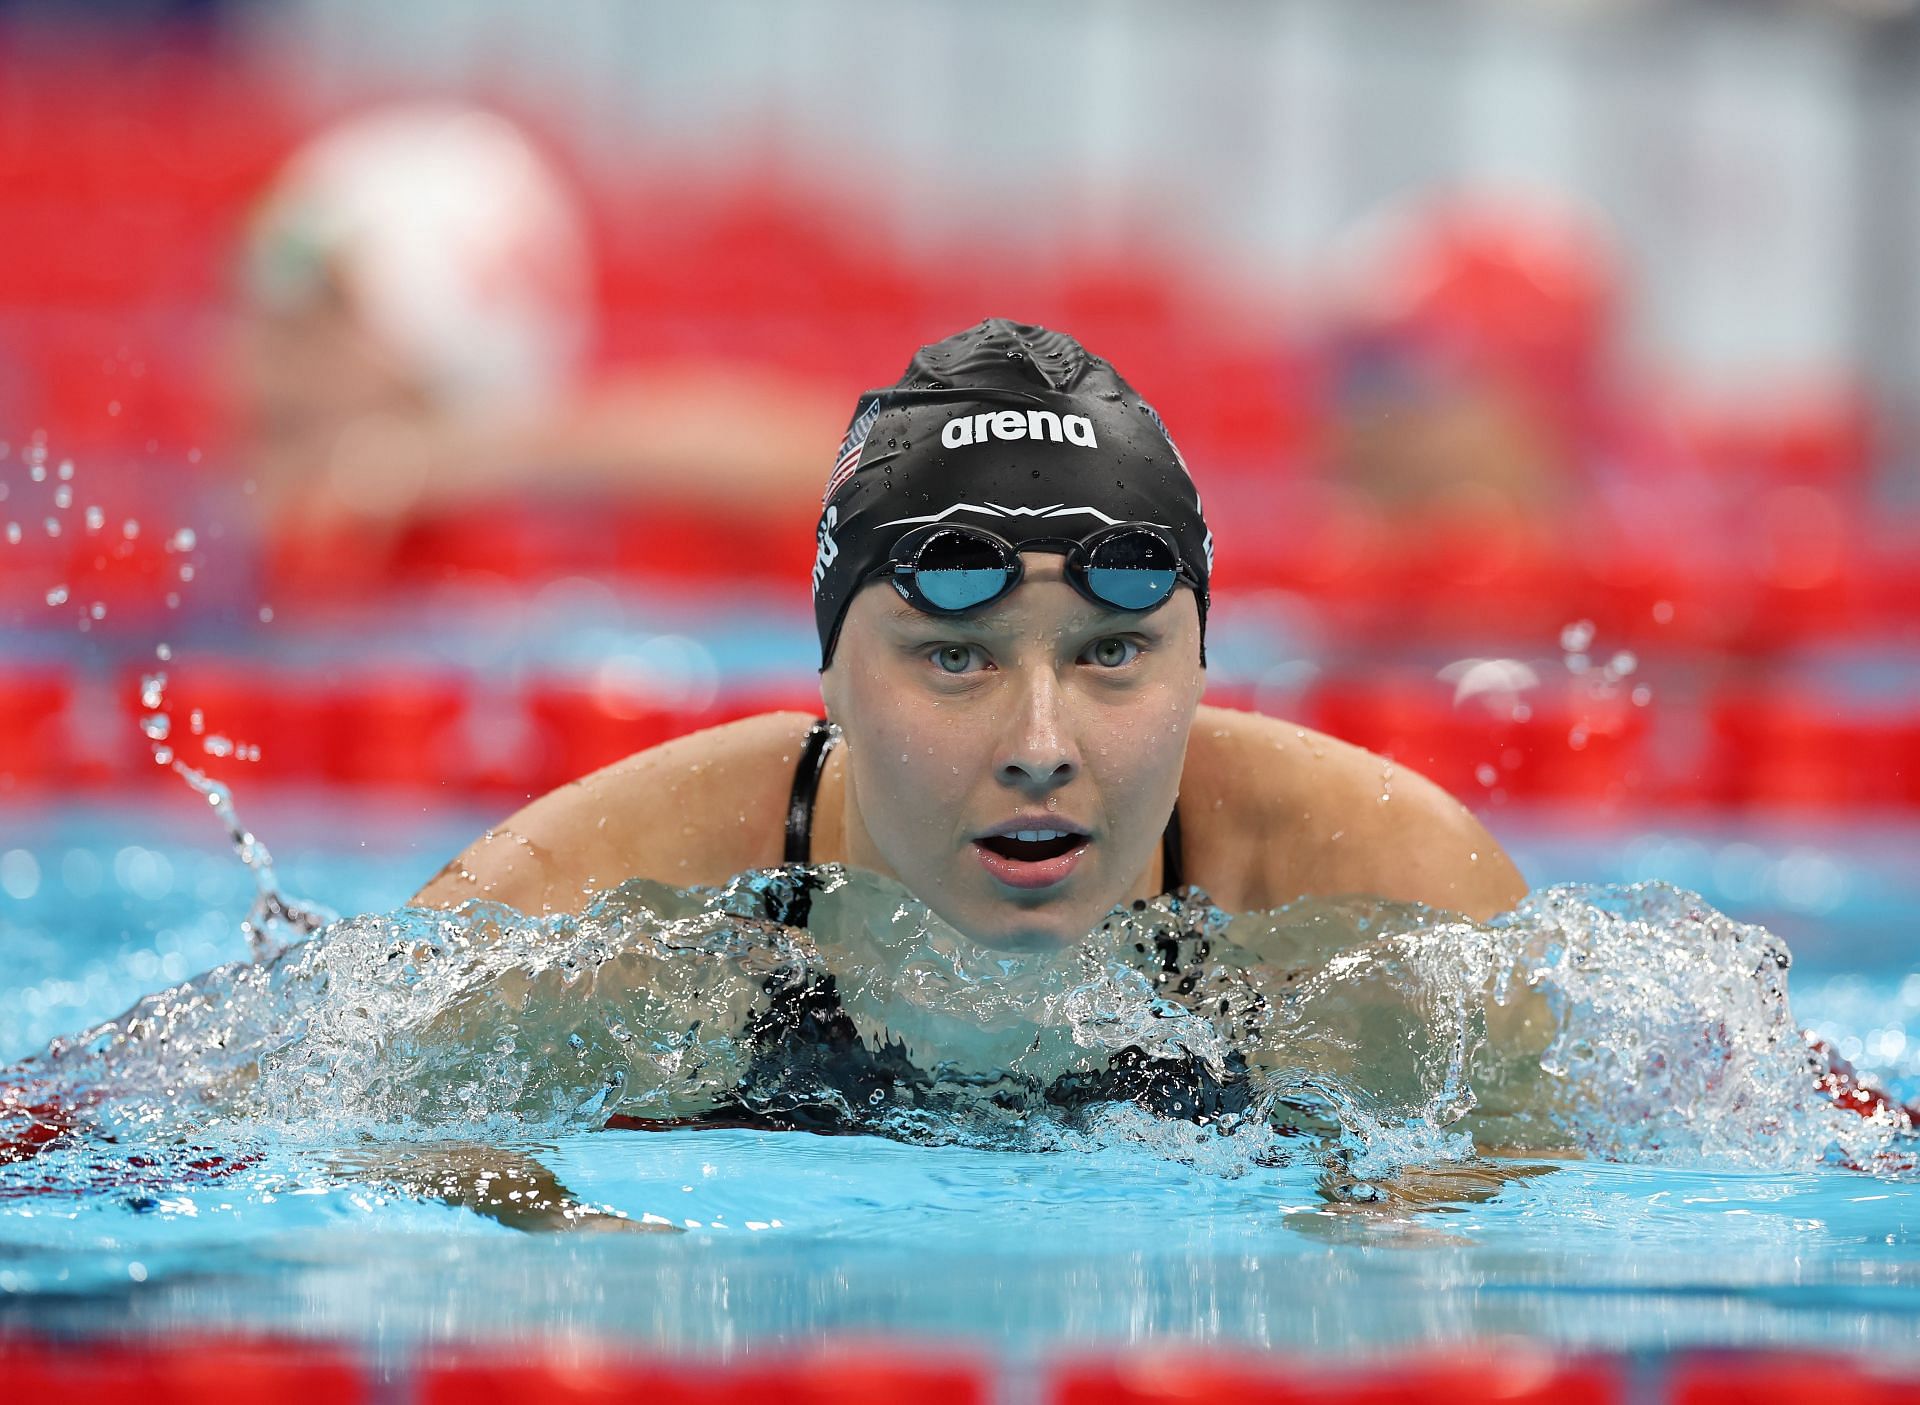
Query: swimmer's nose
[(1037, 750)]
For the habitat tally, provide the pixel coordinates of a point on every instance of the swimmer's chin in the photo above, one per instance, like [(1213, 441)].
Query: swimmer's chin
[(1023, 928)]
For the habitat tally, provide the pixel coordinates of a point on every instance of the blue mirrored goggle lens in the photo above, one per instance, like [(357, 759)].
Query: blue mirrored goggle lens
[(951, 588), (956, 571), (1132, 571), (1131, 588)]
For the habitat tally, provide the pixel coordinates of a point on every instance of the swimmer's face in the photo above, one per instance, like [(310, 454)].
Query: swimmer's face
[(1044, 711)]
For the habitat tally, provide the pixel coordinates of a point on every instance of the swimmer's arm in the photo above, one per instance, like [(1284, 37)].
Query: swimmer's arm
[(1436, 851), (509, 1187), (1339, 820), (698, 809)]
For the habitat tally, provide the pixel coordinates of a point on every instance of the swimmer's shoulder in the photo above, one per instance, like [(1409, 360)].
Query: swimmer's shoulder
[(1279, 811), (697, 809)]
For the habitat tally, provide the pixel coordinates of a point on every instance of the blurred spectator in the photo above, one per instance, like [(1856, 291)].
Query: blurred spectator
[(417, 309), (1468, 339)]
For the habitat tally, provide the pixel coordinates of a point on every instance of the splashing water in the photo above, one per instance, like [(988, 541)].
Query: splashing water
[(276, 918), (1621, 1023)]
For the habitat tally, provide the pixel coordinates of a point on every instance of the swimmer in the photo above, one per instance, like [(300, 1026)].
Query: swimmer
[(1011, 589), (413, 318)]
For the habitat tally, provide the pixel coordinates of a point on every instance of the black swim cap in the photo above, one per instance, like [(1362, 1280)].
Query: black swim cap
[(1004, 426)]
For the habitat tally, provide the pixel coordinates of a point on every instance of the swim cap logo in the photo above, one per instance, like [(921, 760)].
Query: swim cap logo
[(829, 550), (962, 430)]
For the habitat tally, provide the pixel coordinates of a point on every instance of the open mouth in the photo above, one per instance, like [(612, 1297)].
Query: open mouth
[(1034, 846)]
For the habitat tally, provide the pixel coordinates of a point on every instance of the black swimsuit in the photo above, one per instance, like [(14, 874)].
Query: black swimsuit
[(809, 1063)]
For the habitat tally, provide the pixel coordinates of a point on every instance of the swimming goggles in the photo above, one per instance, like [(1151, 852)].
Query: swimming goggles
[(950, 569)]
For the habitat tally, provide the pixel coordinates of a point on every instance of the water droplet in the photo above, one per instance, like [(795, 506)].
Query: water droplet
[(1576, 637), (153, 689), (63, 497), (163, 652), (37, 472), (66, 470), (156, 725), (266, 614), (57, 596), (182, 540), (186, 571), (129, 529), (52, 524), (13, 533), (1642, 695), (163, 756), (1485, 774), (96, 519), (196, 721), (98, 610)]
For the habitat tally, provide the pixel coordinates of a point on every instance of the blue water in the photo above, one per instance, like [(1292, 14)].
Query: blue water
[(784, 1237)]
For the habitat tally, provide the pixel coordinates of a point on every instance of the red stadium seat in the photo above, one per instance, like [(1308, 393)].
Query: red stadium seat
[(181, 1372), (869, 1376), (1792, 1378), (285, 715), (395, 729), (1507, 1375), (33, 728), (1773, 746), (582, 727), (1558, 742)]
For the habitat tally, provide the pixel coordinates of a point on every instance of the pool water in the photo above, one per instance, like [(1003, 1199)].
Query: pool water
[(781, 1237)]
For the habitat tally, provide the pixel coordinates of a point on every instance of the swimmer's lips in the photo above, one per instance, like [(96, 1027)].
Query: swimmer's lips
[(1031, 863)]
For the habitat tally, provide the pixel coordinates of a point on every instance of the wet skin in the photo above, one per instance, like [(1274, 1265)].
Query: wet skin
[(1042, 704), (1044, 710)]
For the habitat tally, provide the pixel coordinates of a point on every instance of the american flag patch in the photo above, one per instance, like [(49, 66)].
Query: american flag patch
[(851, 447)]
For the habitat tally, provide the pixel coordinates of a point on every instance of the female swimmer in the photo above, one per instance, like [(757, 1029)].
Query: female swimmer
[(1011, 592)]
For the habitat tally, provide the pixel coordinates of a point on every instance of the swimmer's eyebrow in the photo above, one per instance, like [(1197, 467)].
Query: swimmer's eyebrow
[(906, 615)]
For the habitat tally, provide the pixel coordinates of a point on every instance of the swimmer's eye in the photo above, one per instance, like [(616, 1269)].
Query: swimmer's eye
[(1113, 651), (954, 658)]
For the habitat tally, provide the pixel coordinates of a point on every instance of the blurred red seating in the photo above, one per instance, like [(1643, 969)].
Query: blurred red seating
[(1773, 746), (395, 728), (1556, 742), (368, 727), (671, 545), (283, 714), (180, 1372), (867, 1376), (33, 727), (1792, 1378), (1818, 432), (1508, 1375), (583, 726)]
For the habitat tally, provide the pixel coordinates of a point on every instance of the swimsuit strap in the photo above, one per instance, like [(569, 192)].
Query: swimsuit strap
[(1172, 877), (806, 783)]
